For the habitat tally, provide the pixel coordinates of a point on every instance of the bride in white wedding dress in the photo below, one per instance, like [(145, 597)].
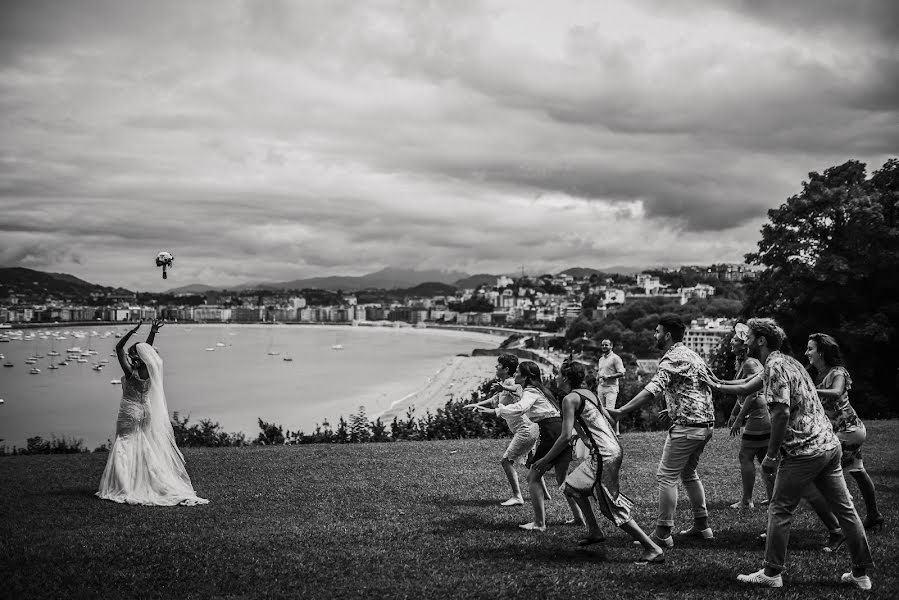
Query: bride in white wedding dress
[(145, 465)]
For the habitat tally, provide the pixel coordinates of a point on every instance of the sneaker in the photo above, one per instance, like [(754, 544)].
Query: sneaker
[(862, 583), (742, 504), (513, 502), (759, 578), (705, 534)]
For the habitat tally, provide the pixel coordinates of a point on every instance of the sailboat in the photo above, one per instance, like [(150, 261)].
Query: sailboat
[(53, 351), (271, 342), (337, 345)]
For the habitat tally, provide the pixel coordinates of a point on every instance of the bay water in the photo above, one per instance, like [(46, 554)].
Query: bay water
[(232, 374)]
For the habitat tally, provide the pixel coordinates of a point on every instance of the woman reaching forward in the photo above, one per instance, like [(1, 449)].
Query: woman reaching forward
[(537, 404), (597, 476), (524, 431), (833, 384), (144, 465)]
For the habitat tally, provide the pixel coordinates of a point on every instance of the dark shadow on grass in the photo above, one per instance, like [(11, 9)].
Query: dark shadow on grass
[(800, 539), (547, 553), (85, 492), (461, 523), (477, 502)]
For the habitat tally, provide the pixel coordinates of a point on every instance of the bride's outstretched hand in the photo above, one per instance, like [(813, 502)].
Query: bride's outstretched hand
[(136, 327), (157, 324)]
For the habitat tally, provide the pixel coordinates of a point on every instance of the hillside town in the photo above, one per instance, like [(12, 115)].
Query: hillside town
[(545, 303)]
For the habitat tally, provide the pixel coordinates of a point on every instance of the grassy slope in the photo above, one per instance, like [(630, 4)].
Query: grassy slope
[(392, 520)]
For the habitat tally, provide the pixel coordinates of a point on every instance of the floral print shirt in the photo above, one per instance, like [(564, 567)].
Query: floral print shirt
[(679, 378), (841, 414), (809, 431)]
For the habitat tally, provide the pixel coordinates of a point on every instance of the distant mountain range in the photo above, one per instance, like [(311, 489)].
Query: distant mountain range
[(19, 280), (385, 279)]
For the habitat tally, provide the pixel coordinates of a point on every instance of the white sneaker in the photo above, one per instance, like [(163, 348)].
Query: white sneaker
[(759, 578), (512, 502), (862, 583), (741, 504), (532, 527)]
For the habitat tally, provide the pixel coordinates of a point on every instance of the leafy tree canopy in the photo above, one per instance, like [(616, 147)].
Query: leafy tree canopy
[(832, 253)]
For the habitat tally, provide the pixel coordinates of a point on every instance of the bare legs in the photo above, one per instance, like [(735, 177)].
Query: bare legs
[(538, 493), (866, 487), (512, 476), (652, 552), (747, 458), (561, 473)]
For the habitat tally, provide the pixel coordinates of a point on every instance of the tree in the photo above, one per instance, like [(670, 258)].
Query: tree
[(832, 258), (359, 427)]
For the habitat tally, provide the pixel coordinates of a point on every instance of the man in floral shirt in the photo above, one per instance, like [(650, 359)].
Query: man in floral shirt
[(681, 379), (803, 442)]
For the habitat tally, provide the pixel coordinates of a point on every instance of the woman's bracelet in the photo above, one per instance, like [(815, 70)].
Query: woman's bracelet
[(774, 458)]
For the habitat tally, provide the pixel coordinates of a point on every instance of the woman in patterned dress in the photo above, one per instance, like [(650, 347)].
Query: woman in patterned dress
[(596, 477), (833, 382), (750, 420)]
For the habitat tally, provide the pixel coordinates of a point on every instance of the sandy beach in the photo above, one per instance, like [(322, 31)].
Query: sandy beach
[(456, 380)]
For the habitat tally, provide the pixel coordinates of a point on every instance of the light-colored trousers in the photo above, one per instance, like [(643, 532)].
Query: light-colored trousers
[(680, 457), (609, 397)]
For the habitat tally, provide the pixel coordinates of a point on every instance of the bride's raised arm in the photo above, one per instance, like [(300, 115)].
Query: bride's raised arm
[(154, 327), (120, 349)]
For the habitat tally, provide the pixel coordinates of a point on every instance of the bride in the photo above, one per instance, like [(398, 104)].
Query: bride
[(145, 465)]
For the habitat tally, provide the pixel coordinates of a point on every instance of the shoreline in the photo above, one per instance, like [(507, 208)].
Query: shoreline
[(454, 373), (456, 380)]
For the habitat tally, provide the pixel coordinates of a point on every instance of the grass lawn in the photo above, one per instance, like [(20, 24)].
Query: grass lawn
[(416, 519)]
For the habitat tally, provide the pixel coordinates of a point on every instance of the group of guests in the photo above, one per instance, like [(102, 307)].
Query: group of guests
[(797, 422)]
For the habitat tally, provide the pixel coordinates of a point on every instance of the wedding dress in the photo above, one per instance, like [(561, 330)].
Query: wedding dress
[(145, 465)]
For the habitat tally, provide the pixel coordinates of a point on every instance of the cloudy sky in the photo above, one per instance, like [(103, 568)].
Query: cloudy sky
[(269, 140)]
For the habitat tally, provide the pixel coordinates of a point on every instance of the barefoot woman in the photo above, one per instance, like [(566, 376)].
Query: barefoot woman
[(597, 476)]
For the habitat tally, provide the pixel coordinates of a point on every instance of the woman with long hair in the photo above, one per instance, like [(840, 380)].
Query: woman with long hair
[(524, 431), (750, 420), (539, 405), (833, 383), (144, 464), (597, 476)]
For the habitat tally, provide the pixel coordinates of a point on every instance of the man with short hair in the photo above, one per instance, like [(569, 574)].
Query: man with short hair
[(609, 369), (681, 379), (809, 453)]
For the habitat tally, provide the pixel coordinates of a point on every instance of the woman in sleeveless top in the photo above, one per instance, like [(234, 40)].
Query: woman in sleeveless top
[(538, 404), (751, 416), (144, 464), (524, 431), (833, 382), (596, 477)]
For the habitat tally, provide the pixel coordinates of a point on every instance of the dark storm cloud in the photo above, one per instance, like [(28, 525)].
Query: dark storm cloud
[(290, 139)]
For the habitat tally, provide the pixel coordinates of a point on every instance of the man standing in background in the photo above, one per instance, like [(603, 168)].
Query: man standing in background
[(609, 369)]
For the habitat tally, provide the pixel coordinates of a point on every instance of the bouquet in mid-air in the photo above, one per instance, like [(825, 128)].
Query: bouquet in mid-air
[(164, 260)]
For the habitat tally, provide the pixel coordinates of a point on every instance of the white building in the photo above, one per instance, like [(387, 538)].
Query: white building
[(649, 283), (703, 336)]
